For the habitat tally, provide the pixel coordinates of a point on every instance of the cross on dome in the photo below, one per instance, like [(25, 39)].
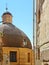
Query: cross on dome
[(6, 7)]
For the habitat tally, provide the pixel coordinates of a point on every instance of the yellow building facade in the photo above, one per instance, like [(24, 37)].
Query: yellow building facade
[(23, 56)]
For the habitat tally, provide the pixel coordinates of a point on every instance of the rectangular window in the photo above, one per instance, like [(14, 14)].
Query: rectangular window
[(28, 57), (13, 56)]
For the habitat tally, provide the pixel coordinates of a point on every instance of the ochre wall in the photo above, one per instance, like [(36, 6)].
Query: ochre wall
[(7, 18), (22, 56)]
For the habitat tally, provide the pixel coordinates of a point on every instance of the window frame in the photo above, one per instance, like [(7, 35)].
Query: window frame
[(14, 55)]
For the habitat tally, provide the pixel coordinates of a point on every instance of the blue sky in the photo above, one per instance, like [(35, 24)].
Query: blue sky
[(22, 11)]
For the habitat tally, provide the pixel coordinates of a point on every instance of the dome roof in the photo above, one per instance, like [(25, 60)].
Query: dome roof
[(13, 37), (7, 13)]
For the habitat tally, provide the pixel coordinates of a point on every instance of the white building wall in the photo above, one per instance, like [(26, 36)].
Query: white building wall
[(44, 25)]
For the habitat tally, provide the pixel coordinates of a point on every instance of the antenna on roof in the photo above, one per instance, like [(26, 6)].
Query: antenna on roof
[(6, 7)]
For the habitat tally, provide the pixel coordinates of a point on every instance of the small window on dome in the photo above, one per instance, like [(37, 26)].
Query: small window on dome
[(24, 42)]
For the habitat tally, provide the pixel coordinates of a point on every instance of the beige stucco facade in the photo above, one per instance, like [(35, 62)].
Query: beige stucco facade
[(44, 25), (43, 33)]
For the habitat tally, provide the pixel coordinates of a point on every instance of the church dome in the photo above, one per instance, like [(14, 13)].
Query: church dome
[(11, 35), (14, 37)]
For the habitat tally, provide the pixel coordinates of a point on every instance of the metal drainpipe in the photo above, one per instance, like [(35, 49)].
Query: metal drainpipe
[(34, 28)]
